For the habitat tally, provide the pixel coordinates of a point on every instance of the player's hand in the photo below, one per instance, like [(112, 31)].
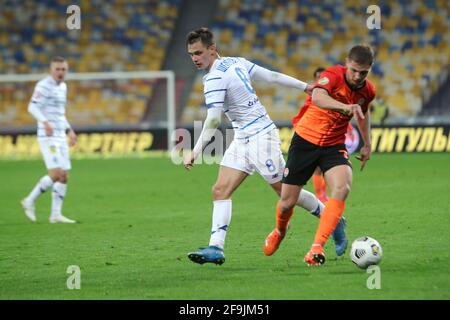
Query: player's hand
[(355, 110), (364, 155), (189, 159), (309, 88), (72, 138), (48, 129)]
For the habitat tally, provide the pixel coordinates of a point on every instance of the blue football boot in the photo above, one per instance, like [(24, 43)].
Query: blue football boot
[(340, 238), (211, 254)]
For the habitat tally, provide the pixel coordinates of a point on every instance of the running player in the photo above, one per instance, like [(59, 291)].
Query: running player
[(339, 94)]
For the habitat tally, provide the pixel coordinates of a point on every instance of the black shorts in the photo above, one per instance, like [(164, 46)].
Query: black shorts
[(304, 157)]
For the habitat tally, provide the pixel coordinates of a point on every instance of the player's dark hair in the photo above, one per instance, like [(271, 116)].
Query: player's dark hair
[(203, 34), (318, 71), (361, 54), (58, 59)]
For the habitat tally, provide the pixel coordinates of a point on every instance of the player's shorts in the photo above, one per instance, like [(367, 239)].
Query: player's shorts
[(261, 154), (304, 157), (55, 153)]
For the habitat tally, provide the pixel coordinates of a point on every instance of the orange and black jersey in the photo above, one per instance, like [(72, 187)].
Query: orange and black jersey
[(326, 127)]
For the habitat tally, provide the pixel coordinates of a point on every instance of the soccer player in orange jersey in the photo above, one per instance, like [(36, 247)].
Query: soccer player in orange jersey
[(351, 138), (342, 92)]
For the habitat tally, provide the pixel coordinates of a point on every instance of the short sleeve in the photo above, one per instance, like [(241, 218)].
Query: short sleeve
[(250, 66), (328, 80)]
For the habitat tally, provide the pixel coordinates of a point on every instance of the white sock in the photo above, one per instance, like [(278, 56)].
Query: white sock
[(42, 186), (309, 201), (220, 223), (58, 194)]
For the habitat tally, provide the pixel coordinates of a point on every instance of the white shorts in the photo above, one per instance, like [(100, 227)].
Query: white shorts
[(55, 152), (261, 154)]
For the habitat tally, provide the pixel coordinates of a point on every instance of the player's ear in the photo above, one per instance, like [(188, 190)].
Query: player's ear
[(213, 47)]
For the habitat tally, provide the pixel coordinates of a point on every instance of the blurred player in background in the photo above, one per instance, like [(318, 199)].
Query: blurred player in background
[(48, 107), (256, 144), (319, 140)]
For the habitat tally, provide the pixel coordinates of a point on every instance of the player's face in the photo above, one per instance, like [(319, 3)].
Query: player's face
[(356, 73), (202, 56), (59, 70)]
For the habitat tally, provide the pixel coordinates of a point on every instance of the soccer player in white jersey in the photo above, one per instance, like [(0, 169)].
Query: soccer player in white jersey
[(48, 107), (256, 144)]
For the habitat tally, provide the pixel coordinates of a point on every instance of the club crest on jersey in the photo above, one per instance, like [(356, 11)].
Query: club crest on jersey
[(286, 172), (323, 81)]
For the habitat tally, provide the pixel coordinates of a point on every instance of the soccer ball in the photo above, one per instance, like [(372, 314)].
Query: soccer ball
[(365, 252)]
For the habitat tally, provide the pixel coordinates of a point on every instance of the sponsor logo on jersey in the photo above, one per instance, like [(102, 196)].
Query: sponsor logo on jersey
[(323, 81)]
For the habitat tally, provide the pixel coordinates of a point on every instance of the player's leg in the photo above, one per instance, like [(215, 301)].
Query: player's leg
[(60, 186), (296, 172), (320, 186), (48, 150), (338, 174), (284, 211), (232, 172), (306, 200), (228, 180)]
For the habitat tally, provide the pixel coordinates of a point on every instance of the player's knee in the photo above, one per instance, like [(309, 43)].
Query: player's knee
[(341, 191), (286, 204), (54, 175), (219, 192), (64, 177)]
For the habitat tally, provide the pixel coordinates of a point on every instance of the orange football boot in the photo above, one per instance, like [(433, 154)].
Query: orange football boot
[(273, 241), (315, 256)]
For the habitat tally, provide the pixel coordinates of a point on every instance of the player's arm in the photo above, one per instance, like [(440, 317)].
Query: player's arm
[(210, 125), (34, 108), (322, 99), (263, 74), (364, 128)]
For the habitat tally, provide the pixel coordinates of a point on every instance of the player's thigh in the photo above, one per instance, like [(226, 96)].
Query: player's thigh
[(339, 180), (236, 157), (302, 160), (337, 169), (228, 180), (265, 155), (289, 195)]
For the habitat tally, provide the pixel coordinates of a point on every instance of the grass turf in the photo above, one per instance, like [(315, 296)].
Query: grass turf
[(138, 218)]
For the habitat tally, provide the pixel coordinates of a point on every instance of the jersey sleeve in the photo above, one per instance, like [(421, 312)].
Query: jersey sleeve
[(40, 94), (37, 101), (250, 66), (328, 80), (214, 90)]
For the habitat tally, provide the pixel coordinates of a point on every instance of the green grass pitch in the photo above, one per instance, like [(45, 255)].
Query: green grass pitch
[(140, 217)]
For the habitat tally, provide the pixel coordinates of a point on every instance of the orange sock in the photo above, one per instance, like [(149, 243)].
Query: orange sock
[(318, 181), (323, 186), (329, 219), (283, 218)]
